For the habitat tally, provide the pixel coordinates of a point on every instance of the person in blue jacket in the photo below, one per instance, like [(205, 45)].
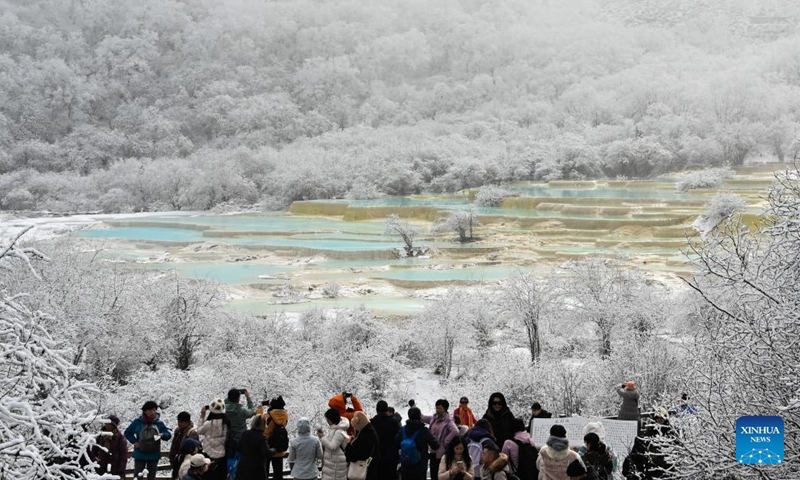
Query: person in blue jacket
[(146, 433)]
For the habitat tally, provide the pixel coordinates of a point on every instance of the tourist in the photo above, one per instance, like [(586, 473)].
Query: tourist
[(629, 410), (456, 464), (512, 448), (477, 436), (387, 428), (556, 460), (499, 415), (596, 457), (304, 451), (254, 450), (493, 463), (146, 433), (189, 447), (464, 413), (423, 439), (236, 413), (213, 432), (278, 438), (198, 466), (443, 430), (185, 430), (110, 451), (339, 402), (537, 412), (462, 430), (334, 463), (598, 429), (365, 445)]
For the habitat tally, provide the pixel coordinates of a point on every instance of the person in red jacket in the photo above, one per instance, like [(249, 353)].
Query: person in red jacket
[(339, 402), (464, 413), (111, 449)]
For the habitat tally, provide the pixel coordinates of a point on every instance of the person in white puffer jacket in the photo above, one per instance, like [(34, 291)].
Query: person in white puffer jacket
[(334, 463), (213, 433)]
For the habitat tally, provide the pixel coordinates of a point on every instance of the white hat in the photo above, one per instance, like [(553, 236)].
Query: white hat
[(217, 406), (597, 428), (198, 460)]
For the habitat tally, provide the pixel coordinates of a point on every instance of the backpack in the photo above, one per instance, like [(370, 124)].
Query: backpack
[(591, 473), (279, 440), (526, 470), (409, 454), (233, 466), (147, 439)]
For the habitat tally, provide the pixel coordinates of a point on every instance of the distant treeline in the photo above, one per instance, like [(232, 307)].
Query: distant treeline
[(135, 105)]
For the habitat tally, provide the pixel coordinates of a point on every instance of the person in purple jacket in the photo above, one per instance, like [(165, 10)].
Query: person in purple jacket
[(110, 451), (443, 429)]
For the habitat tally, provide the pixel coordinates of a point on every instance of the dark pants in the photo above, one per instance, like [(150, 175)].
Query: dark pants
[(277, 468), (150, 465), (414, 474), (434, 465), (218, 470)]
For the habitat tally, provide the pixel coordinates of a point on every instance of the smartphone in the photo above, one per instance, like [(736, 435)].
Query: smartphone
[(265, 403), (242, 390)]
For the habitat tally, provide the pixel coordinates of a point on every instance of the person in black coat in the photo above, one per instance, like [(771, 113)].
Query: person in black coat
[(500, 417), (537, 412), (365, 445), (424, 439), (255, 451), (387, 428)]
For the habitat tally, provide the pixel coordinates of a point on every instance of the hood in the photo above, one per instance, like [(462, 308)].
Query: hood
[(338, 403), (597, 428), (303, 427), (556, 455), (502, 399), (477, 434), (557, 443), (523, 437), (280, 417), (343, 424)]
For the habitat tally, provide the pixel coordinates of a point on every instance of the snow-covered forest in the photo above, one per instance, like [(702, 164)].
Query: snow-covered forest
[(253, 102), (162, 105)]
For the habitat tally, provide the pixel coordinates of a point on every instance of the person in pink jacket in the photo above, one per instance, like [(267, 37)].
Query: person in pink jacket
[(443, 429), (511, 447)]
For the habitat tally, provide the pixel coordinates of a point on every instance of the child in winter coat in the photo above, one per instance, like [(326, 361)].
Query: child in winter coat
[(214, 434), (304, 451)]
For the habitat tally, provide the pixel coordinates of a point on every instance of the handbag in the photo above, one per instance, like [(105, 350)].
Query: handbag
[(358, 470)]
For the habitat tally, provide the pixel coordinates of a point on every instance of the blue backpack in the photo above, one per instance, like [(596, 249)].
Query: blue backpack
[(409, 455), (233, 466)]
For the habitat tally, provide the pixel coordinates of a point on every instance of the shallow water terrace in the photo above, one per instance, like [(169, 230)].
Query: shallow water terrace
[(316, 244)]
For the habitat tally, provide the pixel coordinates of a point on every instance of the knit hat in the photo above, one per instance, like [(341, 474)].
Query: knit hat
[(198, 460), (596, 428), (630, 385), (360, 420), (558, 431), (277, 403), (217, 406), (114, 419), (661, 412), (150, 405)]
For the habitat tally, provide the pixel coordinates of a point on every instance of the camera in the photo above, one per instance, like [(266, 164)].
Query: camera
[(265, 403), (347, 394)]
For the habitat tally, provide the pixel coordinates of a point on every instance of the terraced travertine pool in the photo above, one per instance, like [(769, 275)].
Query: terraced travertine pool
[(282, 261)]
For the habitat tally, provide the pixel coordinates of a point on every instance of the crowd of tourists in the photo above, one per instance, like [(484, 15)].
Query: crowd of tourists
[(447, 445)]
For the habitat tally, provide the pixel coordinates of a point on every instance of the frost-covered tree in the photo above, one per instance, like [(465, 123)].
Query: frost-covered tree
[(531, 299), (462, 222), (395, 227), (45, 409), (744, 358)]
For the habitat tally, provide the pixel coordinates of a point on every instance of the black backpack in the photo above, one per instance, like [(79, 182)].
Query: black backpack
[(279, 440), (526, 470)]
